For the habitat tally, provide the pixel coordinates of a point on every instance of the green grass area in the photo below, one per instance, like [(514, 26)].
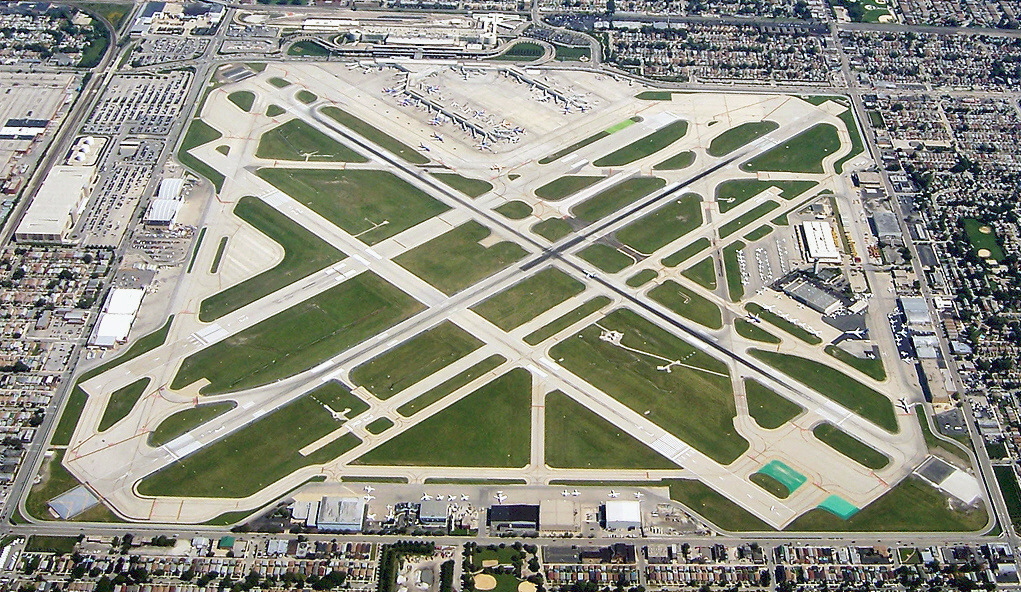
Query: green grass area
[(488, 428), (195, 249), (688, 304), (77, 399), (560, 188), (56, 481), (655, 95), (686, 252), (577, 437), (703, 273), (664, 225), (257, 67), (182, 422), (470, 481), (379, 426), (523, 51), (734, 192), (279, 82), (59, 545), (571, 54), (569, 318), (982, 240), (121, 402), (616, 197), (198, 134), (374, 135), (835, 385), (244, 99), (267, 449), (759, 233), (803, 153), (876, 119), (218, 256), (849, 446), (767, 408), (606, 257), (641, 278), (935, 443), (359, 479), (646, 146), (297, 140), (471, 187), (774, 487), (754, 331), (857, 146), (714, 507), (455, 260), (224, 150), (299, 337), (114, 13), (693, 401), (910, 506), (620, 125), (504, 555), (1007, 480), (681, 160), (304, 254), (424, 354), (782, 323), (94, 51), (275, 110), (574, 147), (529, 298), (553, 229), (515, 210), (369, 204), (748, 218), (739, 135), (731, 268), (870, 366), (996, 450), (450, 385), (307, 49)]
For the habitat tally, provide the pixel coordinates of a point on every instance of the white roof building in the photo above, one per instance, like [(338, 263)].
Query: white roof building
[(341, 514), (118, 314), (819, 242), (623, 514), (57, 205)]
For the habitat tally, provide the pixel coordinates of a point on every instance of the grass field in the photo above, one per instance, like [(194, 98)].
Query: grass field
[(529, 298), (803, 153), (279, 82), (558, 189), (576, 437), (666, 224), (221, 248), (115, 13), (646, 146), (195, 249), (616, 197), (641, 278), (199, 133), (553, 229), (655, 95), (455, 260), (306, 97), (687, 304), (766, 407), (304, 254), (857, 146), (297, 140), (488, 428), (735, 287), (422, 355), (774, 487), (750, 330), (738, 136), (571, 54), (300, 337), (371, 205), (782, 323), (450, 385), (58, 481), (982, 240), (748, 218), (515, 210), (267, 449), (523, 51), (569, 318), (471, 187), (244, 99), (681, 160), (713, 506), (911, 506), (307, 49), (379, 426), (589, 140), (686, 252), (935, 443), (185, 421), (374, 135), (1007, 480), (58, 545), (275, 110), (849, 446), (606, 257), (121, 402), (695, 405), (872, 367), (759, 233), (734, 192), (703, 273), (835, 385)]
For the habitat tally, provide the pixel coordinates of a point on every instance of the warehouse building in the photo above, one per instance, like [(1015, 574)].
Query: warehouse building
[(558, 516), (622, 515), (819, 244), (519, 517), (433, 513), (341, 514), (118, 314), (57, 205), (164, 207), (916, 311)]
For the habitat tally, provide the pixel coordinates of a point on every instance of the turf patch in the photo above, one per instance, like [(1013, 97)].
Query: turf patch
[(529, 298), (766, 407), (688, 304), (299, 141), (664, 225)]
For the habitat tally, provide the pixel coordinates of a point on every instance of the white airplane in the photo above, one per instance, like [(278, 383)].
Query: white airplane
[(565, 493), (639, 495), (464, 497), (903, 404), (436, 121), (405, 102), (423, 147), (371, 517), (426, 497), (370, 488), (368, 498), (451, 498), (437, 137), (390, 91), (575, 493), (500, 496), (614, 494), (337, 415)]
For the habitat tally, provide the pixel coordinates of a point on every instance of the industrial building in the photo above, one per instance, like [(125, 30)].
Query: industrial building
[(558, 516), (886, 227), (916, 311), (164, 207), (622, 515), (810, 293), (57, 205), (23, 129), (433, 513), (514, 517), (341, 514), (819, 244), (117, 316)]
